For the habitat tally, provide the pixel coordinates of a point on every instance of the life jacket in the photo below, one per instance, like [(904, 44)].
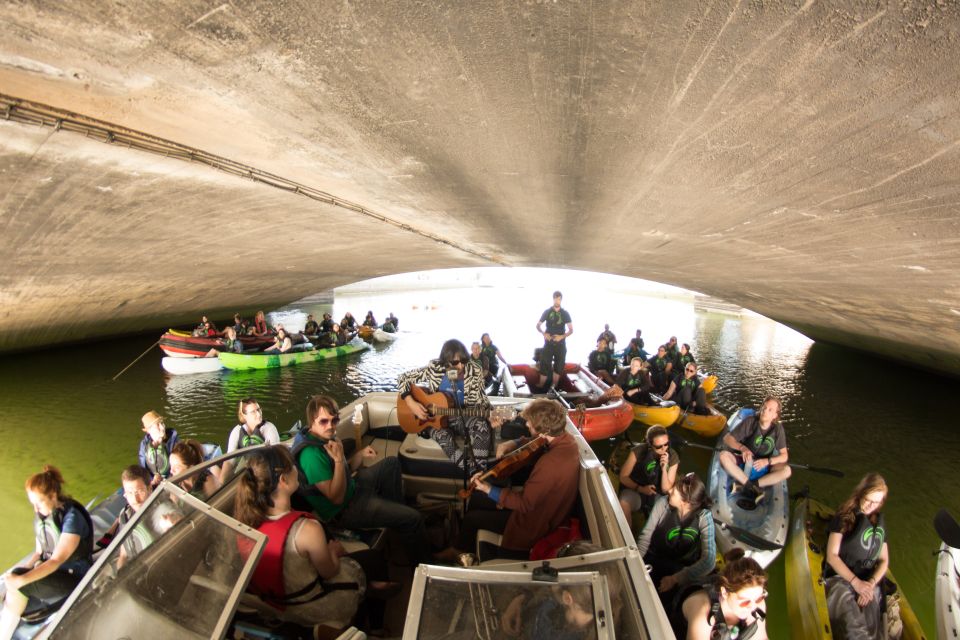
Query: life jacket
[(860, 547), (491, 352), (48, 530), (720, 630), (267, 579), (762, 445), (251, 439), (138, 539), (647, 469), (677, 541), (300, 442), (158, 458)]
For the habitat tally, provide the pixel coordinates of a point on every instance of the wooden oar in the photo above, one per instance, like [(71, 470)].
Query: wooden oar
[(824, 470), (947, 528), (136, 359), (751, 539)]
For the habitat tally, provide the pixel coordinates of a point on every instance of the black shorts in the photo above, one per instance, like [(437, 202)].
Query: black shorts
[(48, 591), (553, 357)]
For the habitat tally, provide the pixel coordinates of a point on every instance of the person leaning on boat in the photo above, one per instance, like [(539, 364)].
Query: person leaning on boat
[(281, 344), (757, 444), (156, 445), (558, 327), (678, 539), (546, 500), (347, 493), (453, 372), (252, 429), (64, 551), (635, 382), (649, 471), (301, 576), (857, 559), (731, 607), (686, 391)]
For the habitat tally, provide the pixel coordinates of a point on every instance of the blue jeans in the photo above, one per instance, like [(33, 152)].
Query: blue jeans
[(378, 502)]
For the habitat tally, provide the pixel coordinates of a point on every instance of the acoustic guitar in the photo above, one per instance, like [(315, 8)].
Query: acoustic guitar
[(440, 407)]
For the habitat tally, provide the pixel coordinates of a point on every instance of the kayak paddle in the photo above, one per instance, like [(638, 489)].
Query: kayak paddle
[(746, 537), (947, 528), (806, 467)]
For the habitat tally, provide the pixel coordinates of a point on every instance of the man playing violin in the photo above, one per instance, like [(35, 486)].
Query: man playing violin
[(455, 373), (547, 498)]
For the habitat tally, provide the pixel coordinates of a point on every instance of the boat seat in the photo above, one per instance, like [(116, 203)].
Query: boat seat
[(424, 457)]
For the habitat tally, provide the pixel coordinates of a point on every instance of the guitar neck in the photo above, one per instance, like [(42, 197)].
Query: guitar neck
[(465, 411)]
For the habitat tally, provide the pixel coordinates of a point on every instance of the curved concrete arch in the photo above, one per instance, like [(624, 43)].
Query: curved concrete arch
[(801, 160)]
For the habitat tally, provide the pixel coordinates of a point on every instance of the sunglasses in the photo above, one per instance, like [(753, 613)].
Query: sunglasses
[(454, 363), (661, 446), (755, 603), (335, 420)]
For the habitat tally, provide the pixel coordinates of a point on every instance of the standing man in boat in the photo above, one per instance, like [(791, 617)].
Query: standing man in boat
[(345, 492), (456, 374), (758, 447), (559, 326)]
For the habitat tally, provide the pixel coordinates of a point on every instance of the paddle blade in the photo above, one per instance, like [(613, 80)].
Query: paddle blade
[(751, 539), (947, 528)]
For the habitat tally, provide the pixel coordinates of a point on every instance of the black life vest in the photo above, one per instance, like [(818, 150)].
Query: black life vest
[(48, 530), (300, 442), (860, 547), (647, 469), (676, 541), (720, 630), (251, 439)]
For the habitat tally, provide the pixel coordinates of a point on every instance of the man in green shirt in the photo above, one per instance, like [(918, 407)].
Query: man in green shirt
[(347, 493)]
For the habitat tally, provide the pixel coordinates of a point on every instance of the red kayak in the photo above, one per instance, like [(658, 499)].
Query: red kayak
[(576, 385), (179, 344)]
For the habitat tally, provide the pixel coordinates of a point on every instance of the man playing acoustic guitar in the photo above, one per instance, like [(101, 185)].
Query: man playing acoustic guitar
[(454, 373)]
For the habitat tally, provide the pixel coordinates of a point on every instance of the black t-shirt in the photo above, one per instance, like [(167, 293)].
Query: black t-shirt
[(556, 321), (860, 547)]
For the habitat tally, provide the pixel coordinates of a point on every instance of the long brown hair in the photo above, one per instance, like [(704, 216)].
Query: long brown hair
[(258, 482), (693, 492), (47, 483), (848, 510), (740, 572), (189, 451)]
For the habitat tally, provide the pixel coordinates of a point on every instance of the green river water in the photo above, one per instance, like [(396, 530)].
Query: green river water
[(842, 409)]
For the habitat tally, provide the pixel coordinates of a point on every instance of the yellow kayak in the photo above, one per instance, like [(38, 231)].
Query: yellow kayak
[(656, 414), (806, 598), (708, 426), (708, 383)]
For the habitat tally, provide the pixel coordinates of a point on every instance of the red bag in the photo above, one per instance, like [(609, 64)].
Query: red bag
[(547, 547)]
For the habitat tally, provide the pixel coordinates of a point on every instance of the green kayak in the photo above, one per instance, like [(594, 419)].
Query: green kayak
[(247, 361)]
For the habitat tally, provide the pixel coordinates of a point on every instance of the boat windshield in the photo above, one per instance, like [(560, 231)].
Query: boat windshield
[(176, 571), (472, 603)]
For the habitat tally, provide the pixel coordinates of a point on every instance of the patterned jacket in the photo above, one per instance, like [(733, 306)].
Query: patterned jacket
[(432, 375)]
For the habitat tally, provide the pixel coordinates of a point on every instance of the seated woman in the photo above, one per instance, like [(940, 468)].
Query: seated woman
[(685, 357), (636, 382), (64, 552), (230, 344), (678, 540), (686, 391), (602, 363), (632, 351), (281, 344), (187, 454), (649, 472), (260, 327), (733, 606), (547, 498), (252, 429), (369, 320), (156, 445), (301, 577), (857, 559)]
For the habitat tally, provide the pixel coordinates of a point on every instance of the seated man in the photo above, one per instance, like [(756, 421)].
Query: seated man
[(602, 363), (686, 391), (453, 372), (136, 489), (327, 323), (311, 328), (345, 492), (547, 498), (757, 455)]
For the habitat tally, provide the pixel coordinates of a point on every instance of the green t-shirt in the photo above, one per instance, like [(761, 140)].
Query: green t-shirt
[(317, 467)]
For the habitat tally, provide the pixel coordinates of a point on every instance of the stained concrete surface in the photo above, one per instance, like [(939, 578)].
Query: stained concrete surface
[(801, 159)]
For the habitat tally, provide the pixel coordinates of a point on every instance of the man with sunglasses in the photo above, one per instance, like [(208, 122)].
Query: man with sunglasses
[(686, 391), (343, 491), (461, 378)]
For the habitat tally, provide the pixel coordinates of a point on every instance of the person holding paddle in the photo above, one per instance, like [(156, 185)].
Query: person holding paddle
[(461, 380), (758, 447)]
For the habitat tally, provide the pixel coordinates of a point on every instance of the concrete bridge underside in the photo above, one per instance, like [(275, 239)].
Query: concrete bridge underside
[(801, 159)]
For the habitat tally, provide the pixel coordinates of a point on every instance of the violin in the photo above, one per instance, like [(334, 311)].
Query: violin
[(510, 463)]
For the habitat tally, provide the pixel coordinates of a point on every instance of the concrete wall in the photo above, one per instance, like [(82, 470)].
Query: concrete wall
[(799, 159)]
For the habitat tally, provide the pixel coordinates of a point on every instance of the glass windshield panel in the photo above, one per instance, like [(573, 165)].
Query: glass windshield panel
[(488, 605), (175, 572)]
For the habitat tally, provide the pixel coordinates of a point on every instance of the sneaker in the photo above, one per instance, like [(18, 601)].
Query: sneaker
[(735, 488), (759, 493)]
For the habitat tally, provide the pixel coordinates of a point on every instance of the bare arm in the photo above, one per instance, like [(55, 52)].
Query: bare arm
[(626, 470), (67, 544), (668, 479), (312, 544), (671, 391)]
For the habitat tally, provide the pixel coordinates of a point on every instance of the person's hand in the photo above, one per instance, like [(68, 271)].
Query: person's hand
[(632, 392), (478, 484), (647, 489), (667, 583), (747, 456), (368, 452), (157, 479), (864, 589), (334, 449), (496, 421), (505, 447), (336, 548), (418, 409), (761, 463), (511, 620), (664, 459)]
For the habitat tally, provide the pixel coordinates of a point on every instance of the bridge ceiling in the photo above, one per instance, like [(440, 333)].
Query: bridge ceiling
[(801, 159)]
